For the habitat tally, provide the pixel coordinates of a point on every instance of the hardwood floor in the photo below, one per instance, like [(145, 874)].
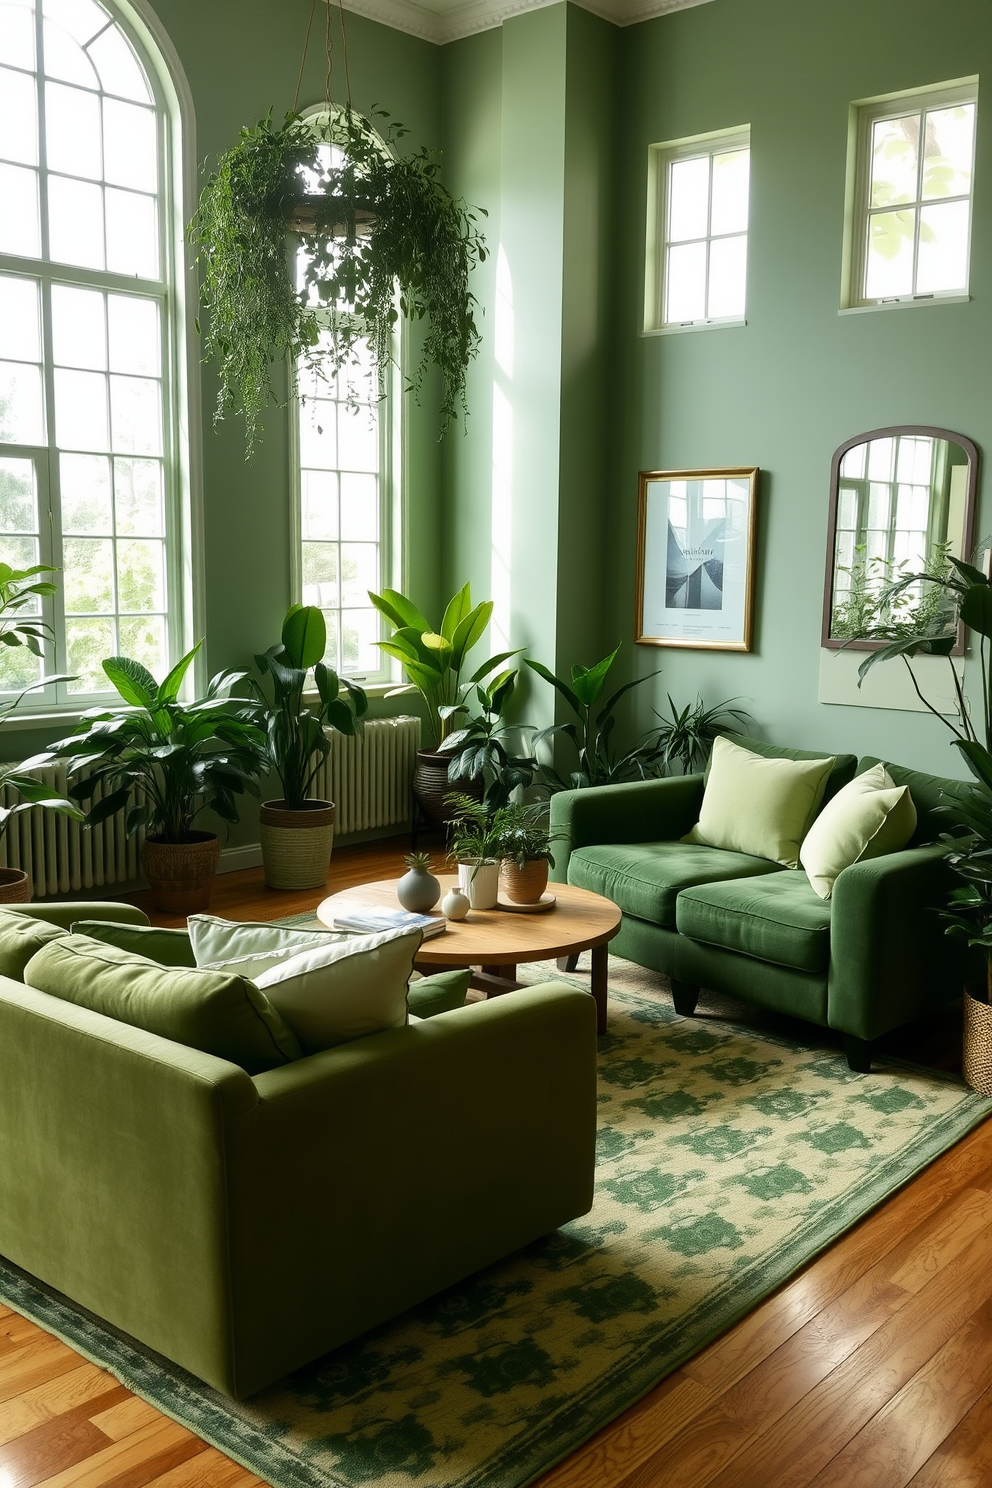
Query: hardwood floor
[(872, 1368)]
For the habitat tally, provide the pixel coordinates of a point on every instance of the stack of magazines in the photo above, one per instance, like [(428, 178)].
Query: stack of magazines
[(372, 919)]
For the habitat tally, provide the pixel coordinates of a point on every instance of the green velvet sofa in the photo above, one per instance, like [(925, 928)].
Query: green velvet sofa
[(869, 959), (242, 1226)]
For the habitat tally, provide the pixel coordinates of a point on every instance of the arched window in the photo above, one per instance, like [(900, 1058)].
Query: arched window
[(90, 460), (347, 475)]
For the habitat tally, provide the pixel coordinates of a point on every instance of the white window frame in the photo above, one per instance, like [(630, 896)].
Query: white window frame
[(660, 158), (864, 114), (392, 515), (176, 294)]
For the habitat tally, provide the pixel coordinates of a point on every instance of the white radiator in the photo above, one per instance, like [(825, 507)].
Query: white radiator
[(368, 778)]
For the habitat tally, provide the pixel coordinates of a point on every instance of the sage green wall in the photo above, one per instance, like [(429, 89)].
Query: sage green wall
[(784, 391)]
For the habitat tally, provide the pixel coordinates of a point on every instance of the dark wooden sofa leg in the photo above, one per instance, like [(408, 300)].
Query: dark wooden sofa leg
[(684, 997), (858, 1051)]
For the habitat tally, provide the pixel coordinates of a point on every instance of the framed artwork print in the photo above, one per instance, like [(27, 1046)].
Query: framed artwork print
[(695, 558)]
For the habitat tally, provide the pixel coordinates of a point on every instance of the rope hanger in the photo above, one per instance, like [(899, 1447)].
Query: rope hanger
[(328, 53)]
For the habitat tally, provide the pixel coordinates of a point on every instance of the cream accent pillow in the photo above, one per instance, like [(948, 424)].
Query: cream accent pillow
[(250, 946), (331, 994), (759, 806), (869, 817)]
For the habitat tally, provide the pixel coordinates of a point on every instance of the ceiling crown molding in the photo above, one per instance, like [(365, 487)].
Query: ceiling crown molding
[(465, 17)]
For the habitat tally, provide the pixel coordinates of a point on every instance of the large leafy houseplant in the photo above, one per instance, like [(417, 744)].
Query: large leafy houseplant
[(590, 736), (380, 237), (686, 736), (486, 749)]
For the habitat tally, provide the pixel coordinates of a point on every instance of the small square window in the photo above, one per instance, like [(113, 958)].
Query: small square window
[(910, 196), (697, 237)]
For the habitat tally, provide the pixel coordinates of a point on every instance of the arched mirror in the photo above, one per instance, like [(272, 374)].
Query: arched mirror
[(901, 501)]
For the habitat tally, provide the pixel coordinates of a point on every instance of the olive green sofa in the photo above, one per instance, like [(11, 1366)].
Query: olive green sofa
[(868, 960), (242, 1226)]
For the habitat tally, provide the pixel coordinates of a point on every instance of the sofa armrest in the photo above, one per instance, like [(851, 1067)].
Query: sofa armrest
[(890, 959), (642, 811), (66, 912)]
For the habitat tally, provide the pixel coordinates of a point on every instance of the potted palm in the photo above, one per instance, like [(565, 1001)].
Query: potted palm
[(165, 762), (525, 850), (296, 831), (368, 221), (21, 590), (433, 660)]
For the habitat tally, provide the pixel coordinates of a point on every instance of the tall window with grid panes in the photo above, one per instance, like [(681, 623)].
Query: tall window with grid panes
[(88, 441)]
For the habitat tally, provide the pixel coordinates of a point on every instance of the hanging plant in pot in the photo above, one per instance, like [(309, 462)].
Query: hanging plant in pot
[(433, 661), (369, 223), (296, 831), (164, 762)]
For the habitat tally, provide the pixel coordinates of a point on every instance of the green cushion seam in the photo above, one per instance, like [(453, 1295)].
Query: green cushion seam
[(764, 919)]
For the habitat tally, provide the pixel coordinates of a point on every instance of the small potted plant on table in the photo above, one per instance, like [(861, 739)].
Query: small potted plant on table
[(474, 842), (525, 848)]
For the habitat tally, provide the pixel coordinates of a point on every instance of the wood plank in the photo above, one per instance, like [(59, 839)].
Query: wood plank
[(138, 1459), (78, 1387), (208, 1469), (125, 1417), (33, 1364), (964, 1458), (49, 1449)]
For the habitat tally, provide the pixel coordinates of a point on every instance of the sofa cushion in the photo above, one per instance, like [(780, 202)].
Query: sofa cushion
[(645, 878), (843, 767), (763, 807), (440, 993), (868, 818), (776, 918), (254, 944), (208, 1010), (931, 794), (167, 947), (20, 938)]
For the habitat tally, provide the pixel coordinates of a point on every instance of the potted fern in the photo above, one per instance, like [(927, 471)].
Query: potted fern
[(368, 222)]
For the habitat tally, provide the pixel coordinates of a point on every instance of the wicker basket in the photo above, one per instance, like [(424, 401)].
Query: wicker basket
[(181, 874), (977, 1059), (296, 845), (15, 886)]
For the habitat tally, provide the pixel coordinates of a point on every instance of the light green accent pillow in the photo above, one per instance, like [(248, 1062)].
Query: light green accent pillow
[(333, 993), (250, 946), (167, 947), (439, 993), (20, 938), (213, 1011), (757, 805), (867, 818)]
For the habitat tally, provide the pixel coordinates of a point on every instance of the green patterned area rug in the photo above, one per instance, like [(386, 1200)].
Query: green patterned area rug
[(728, 1158)]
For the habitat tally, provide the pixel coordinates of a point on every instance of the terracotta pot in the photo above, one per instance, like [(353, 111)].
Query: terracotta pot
[(431, 785), (181, 874), (15, 886), (524, 885), (296, 845)]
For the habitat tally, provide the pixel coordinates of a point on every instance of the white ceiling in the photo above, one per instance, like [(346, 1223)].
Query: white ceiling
[(447, 20)]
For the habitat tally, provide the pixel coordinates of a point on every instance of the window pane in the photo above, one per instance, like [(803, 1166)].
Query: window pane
[(320, 574), (359, 571), (913, 507), (138, 492), (79, 331), (135, 335), (894, 160), (81, 410), (728, 276), (132, 234), (136, 415), (20, 232), (119, 69), (20, 325), (80, 18), (853, 463), (358, 439), (65, 58), (914, 460), (359, 633), (18, 500), (685, 283), (731, 170), (318, 437), (319, 496), (880, 456), (130, 150), (360, 508), (87, 507), (942, 261), (948, 151), (140, 575), (688, 198), (847, 509), (22, 419), (88, 575), (143, 639), (889, 266), (72, 131), (87, 642), (18, 117), (17, 35), (878, 507), (332, 654), (75, 222)]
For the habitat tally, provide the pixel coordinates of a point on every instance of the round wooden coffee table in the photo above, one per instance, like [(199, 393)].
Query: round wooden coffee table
[(497, 941)]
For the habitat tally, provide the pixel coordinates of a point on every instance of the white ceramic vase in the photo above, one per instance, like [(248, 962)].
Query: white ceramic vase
[(480, 883)]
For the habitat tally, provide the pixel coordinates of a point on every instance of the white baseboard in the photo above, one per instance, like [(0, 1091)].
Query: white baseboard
[(233, 858)]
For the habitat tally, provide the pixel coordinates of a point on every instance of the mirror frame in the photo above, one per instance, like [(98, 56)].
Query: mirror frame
[(836, 643)]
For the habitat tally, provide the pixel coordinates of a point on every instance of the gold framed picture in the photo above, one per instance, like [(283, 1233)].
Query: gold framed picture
[(695, 558)]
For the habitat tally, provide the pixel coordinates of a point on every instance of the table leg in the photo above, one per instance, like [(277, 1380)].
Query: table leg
[(600, 962), (568, 963)]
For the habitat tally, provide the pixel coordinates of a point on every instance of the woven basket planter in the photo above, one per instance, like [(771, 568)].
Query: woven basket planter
[(15, 886), (431, 787), (977, 1056), (181, 874), (296, 845), (523, 885)]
